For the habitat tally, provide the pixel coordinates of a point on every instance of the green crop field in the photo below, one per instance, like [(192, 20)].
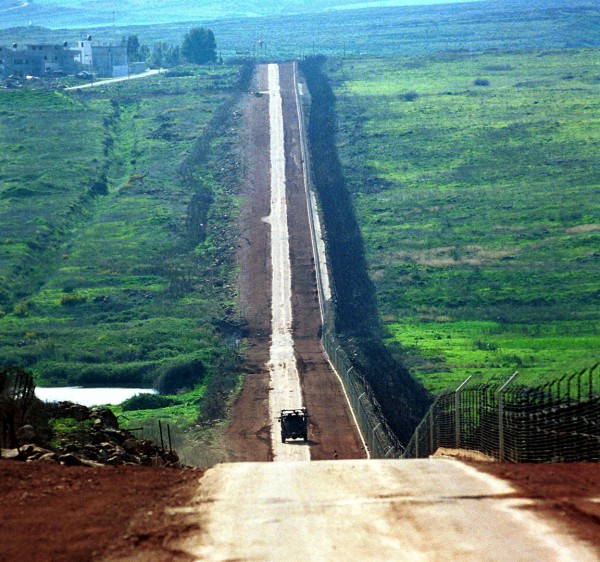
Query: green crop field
[(475, 182), (118, 213)]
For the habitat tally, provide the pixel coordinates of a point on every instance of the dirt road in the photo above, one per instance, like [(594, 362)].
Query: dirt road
[(368, 510), (269, 216), (285, 383)]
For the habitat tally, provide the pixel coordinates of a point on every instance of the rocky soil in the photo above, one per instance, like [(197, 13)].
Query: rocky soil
[(74, 435)]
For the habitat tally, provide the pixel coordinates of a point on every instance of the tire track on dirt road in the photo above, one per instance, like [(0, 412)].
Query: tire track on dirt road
[(285, 383), (402, 510)]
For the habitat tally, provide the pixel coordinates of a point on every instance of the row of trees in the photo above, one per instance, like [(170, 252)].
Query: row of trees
[(199, 47)]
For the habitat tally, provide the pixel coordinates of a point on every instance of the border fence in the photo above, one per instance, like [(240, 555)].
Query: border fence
[(558, 421), (378, 436)]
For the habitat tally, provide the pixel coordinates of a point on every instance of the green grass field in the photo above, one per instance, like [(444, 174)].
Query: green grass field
[(118, 225), (475, 182)]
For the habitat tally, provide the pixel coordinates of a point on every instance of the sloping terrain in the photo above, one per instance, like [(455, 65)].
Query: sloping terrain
[(474, 182), (77, 13), (372, 510)]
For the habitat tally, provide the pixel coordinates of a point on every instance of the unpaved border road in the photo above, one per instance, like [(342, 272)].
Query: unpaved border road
[(285, 383), (332, 432)]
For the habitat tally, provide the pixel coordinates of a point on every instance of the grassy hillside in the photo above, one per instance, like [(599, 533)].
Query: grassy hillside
[(118, 220), (400, 31), (76, 13), (475, 182)]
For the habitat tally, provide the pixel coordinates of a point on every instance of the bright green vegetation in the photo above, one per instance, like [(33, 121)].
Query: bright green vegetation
[(194, 437), (476, 186), (118, 210), (69, 425)]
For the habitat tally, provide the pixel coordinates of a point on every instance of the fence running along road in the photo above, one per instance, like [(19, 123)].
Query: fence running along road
[(558, 421), (375, 431)]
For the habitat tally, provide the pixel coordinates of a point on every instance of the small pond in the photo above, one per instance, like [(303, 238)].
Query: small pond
[(89, 396)]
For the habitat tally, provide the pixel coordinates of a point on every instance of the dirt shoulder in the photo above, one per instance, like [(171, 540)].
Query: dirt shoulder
[(566, 493), (248, 437), (53, 512)]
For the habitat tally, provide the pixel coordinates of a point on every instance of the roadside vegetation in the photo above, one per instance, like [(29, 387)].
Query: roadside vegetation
[(475, 182), (118, 217)]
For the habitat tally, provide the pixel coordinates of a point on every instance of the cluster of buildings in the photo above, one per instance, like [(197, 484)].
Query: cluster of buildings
[(84, 56)]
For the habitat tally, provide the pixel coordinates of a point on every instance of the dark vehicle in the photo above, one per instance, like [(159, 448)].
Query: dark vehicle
[(294, 424), (84, 75)]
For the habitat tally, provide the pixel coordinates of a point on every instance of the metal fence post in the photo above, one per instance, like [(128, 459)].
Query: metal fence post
[(417, 442), (430, 431), (457, 411), (501, 416)]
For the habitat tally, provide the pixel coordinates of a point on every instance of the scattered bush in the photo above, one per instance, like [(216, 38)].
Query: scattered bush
[(72, 299), (481, 82), (179, 375), (178, 73), (410, 96), (21, 308)]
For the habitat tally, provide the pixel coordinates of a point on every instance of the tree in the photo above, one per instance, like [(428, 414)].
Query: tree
[(133, 48), (199, 46)]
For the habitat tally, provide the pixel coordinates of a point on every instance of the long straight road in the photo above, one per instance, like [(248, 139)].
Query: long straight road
[(279, 294), (285, 383), (355, 510)]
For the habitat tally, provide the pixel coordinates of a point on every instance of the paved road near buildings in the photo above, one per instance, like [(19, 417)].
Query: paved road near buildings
[(152, 72), (360, 510)]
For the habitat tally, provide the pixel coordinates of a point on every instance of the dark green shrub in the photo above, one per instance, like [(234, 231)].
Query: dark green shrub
[(179, 375), (147, 402), (410, 96)]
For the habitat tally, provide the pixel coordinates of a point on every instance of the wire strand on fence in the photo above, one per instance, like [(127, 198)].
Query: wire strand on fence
[(558, 421)]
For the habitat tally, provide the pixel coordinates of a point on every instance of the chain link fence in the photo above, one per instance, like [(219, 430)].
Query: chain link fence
[(378, 436), (558, 421)]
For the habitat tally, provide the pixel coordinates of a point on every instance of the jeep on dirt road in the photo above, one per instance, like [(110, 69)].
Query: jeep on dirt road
[(294, 424)]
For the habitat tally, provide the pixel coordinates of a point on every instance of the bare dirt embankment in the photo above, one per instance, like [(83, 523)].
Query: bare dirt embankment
[(59, 513), (248, 436), (568, 494)]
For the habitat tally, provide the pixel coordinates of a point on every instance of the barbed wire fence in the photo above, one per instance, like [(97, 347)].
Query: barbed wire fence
[(378, 436), (558, 421)]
